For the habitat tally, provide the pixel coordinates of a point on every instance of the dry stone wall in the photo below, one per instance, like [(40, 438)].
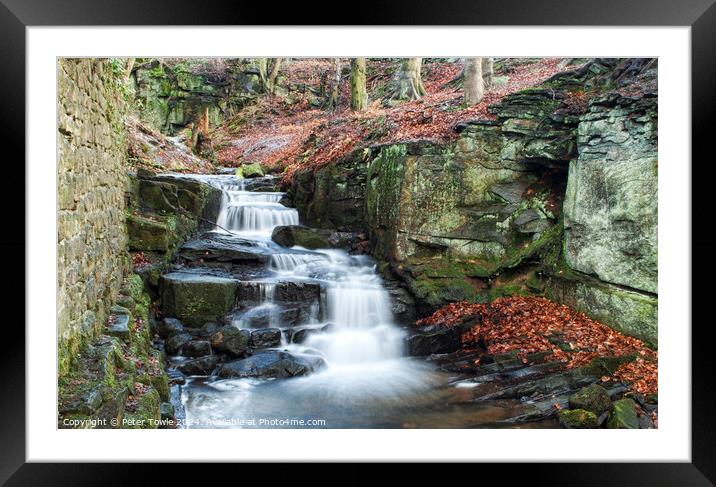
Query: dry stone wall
[(91, 177)]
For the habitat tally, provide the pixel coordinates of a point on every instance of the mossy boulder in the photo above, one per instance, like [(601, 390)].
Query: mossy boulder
[(622, 415), (197, 299), (577, 419), (252, 170), (145, 413), (592, 398), (148, 234), (292, 235)]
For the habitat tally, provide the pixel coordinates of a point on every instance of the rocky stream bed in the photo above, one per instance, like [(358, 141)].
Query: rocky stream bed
[(307, 334)]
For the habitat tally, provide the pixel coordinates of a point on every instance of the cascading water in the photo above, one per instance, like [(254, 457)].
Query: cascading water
[(362, 347), (251, 213)]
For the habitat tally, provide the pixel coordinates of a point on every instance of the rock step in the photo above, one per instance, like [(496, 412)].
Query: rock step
[(197, 299)]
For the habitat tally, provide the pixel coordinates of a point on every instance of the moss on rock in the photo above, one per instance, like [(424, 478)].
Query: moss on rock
[(197, 299), (577, 419)]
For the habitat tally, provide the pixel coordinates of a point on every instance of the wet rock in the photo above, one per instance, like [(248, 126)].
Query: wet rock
[(168, 327), (196, 348), (271, 364), (119, 327), (209, 329), (265, 338), (310, 238), (268, 184), (166, 410), (434, 339), (196, 299), (231, 340), (594, 398), (300, 335), (577, 419), (622, 415), (175, 377), (302, 292), (199, 366), (175, 343), (213, 247), (402, 303)]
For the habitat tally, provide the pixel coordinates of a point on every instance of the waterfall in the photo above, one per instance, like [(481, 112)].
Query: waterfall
[(289, 262), (250, 213), (349, 323)]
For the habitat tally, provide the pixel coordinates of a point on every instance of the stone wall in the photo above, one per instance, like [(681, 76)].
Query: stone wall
[(92, 238)]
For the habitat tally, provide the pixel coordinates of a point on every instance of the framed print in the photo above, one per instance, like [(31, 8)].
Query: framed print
[(444, 241)]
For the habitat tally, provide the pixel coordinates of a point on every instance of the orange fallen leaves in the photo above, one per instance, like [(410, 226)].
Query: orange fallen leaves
[(534, 324), (292, 136)]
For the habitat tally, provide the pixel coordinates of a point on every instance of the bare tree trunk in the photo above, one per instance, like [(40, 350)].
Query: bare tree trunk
[(474, 87), (200, 142), (359, 95), (128, 69), (488, 72), (408, 83), (332, 100), (268, 79)]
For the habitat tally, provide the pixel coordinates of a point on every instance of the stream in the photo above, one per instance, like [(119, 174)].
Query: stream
[(366, 380)]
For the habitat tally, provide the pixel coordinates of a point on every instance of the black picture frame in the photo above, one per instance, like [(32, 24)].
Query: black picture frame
[(16, 15)]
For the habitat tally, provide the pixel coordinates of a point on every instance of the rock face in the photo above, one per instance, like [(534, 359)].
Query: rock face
[(174, 94), (556, 196), (630, 312), (270, 364), (333, 197), (450, 217), (610, 208), (197, 299), (610, 217)]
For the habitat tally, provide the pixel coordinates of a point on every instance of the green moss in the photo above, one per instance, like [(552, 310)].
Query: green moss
[(146, 415), (577, 419), (252, 170)]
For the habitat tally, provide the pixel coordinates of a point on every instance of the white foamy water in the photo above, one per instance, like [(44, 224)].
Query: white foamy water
[(363, 348), (250, 213)]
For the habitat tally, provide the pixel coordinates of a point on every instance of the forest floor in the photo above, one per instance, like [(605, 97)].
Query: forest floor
[(288, 133)]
